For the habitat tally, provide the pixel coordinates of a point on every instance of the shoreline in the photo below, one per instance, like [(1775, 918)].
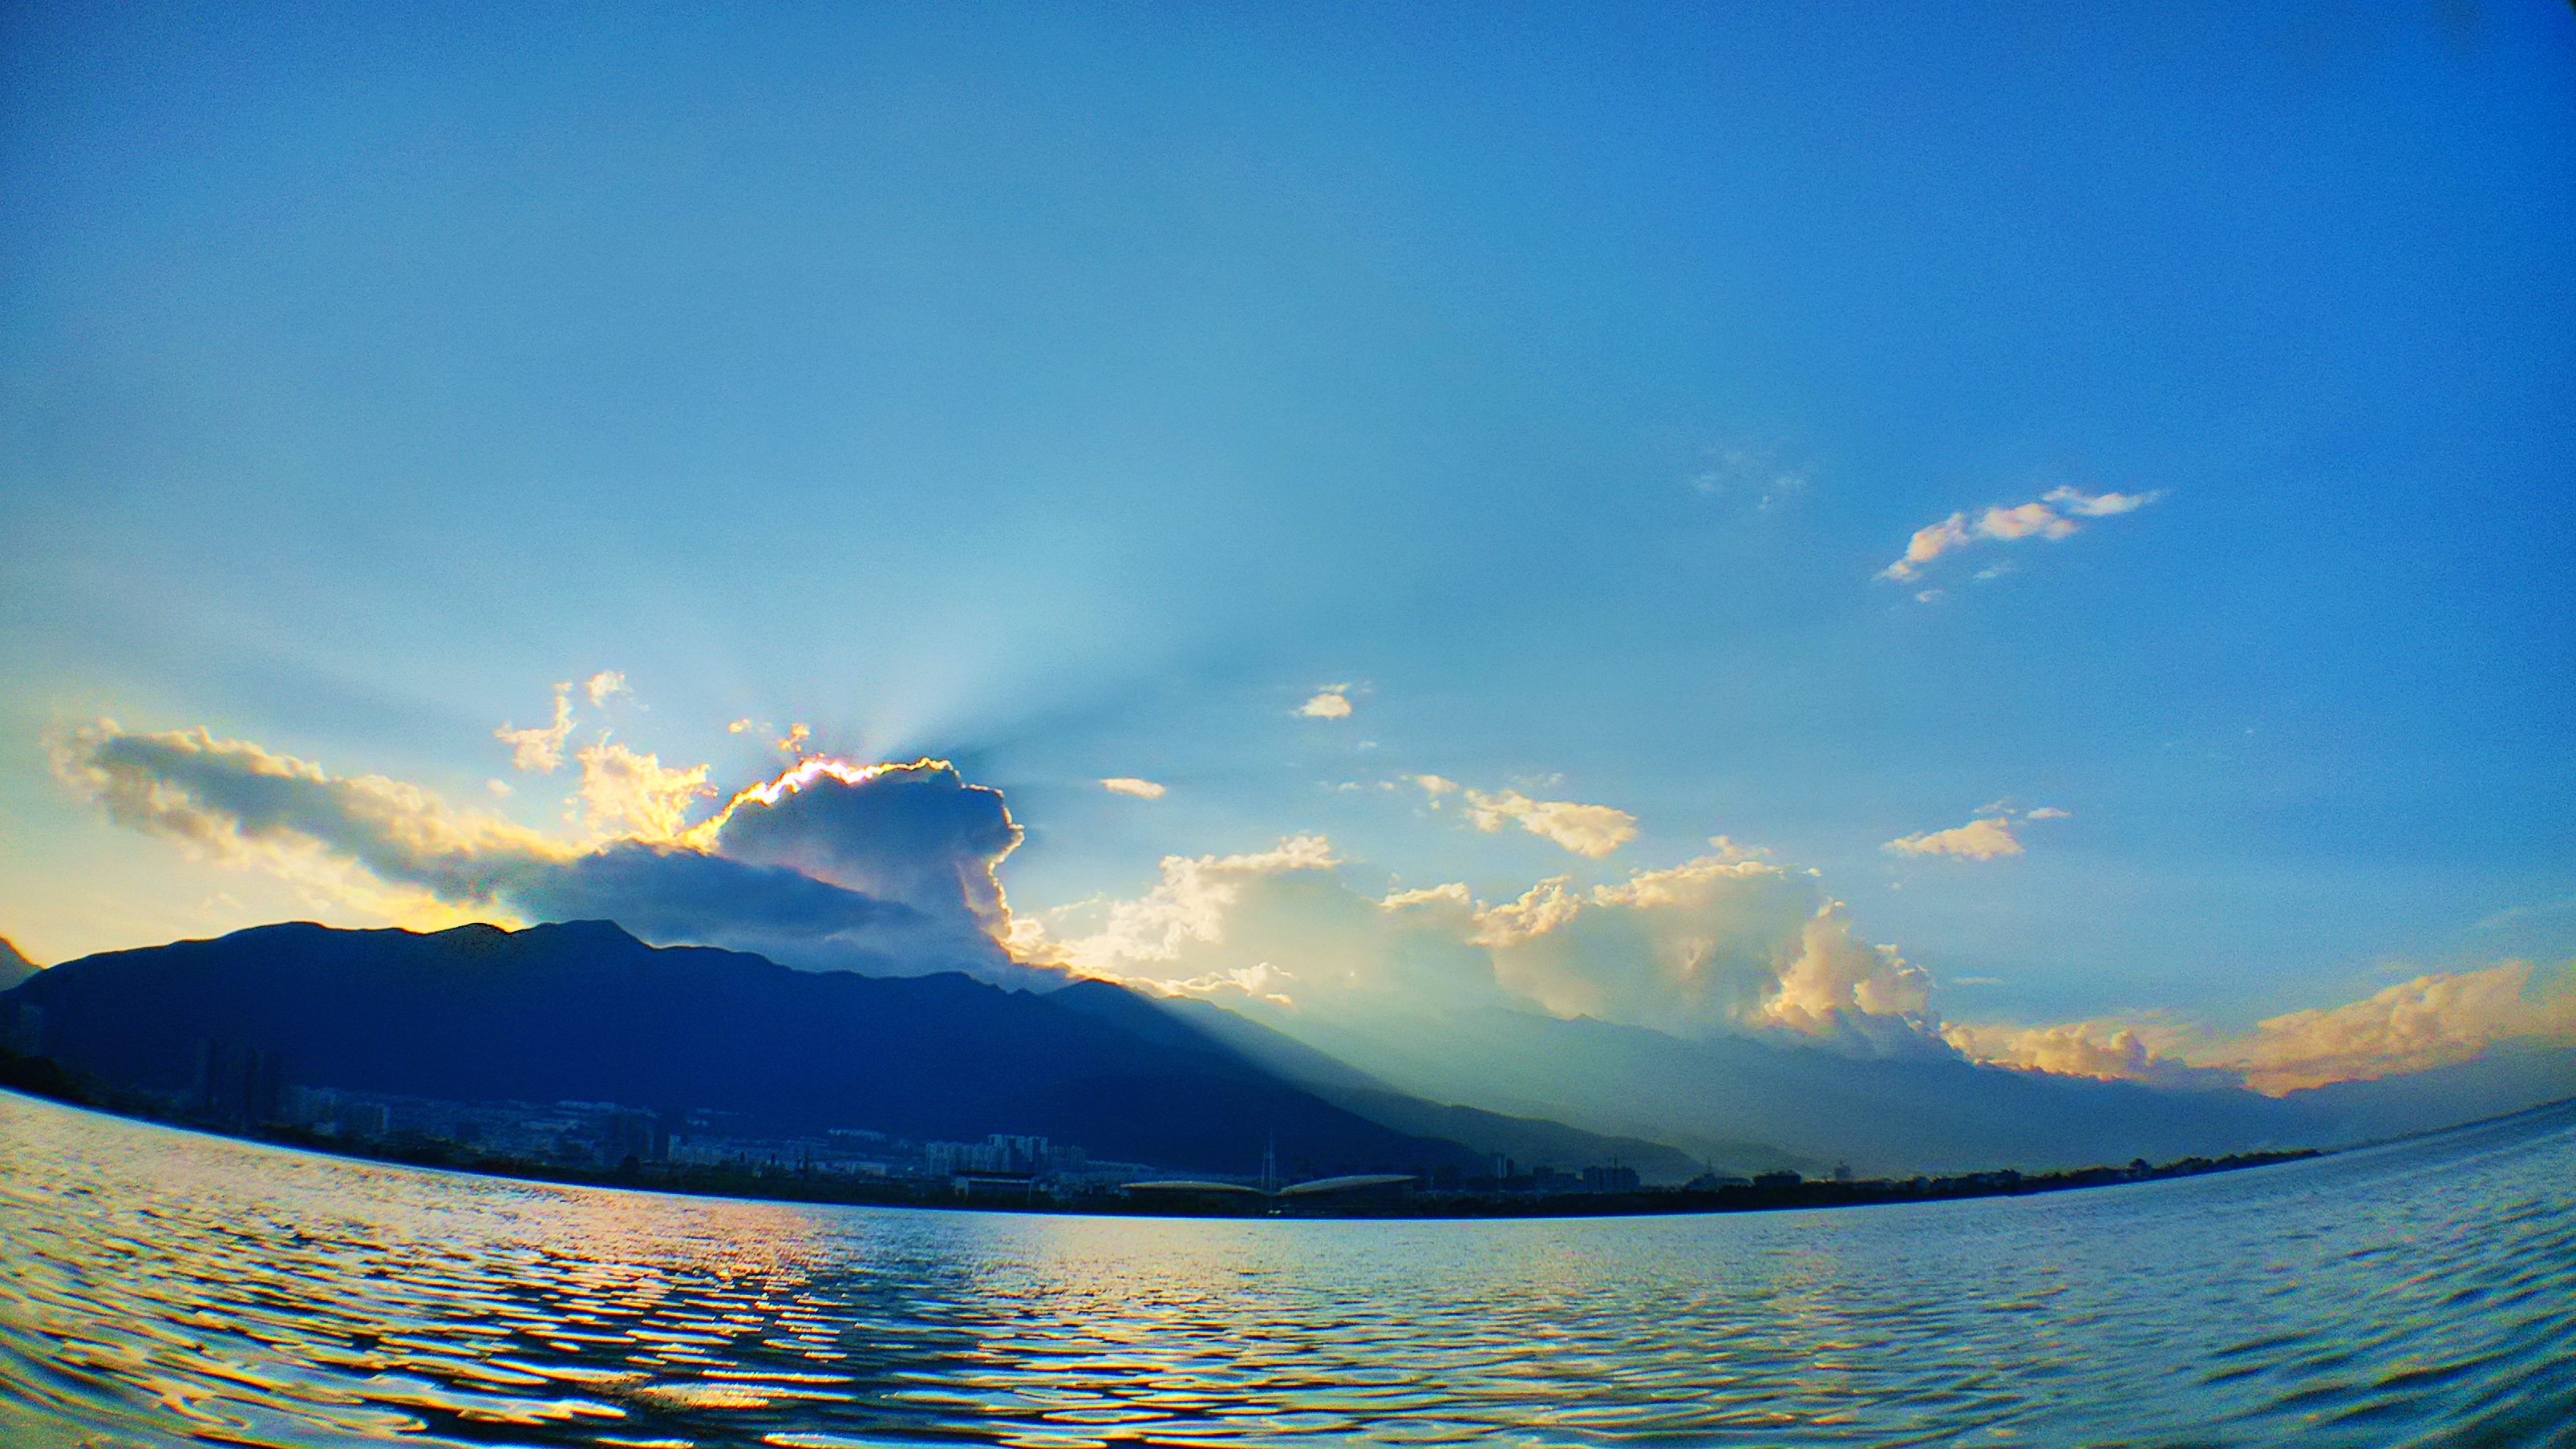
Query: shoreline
[(1779, 1193)]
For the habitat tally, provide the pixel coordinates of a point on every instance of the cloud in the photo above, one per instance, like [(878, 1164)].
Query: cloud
[(539, 750), (2024, 522), (2111, 1051), (794, 740), (1590, 831), (1332, 702), (1983, 838), (1929, 543), (1757, 472), (2048, 812), (2002, 524), (1130, 785), (2101, 505), (1433, 785), (635, 796), (738, 726), (1726, 942), (915, 833), (601, 686), (1187, 907), (2431, 1021), (884, 868), (1837, 976)]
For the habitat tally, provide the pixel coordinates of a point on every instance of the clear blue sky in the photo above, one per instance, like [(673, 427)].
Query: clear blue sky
[(1073, 391)]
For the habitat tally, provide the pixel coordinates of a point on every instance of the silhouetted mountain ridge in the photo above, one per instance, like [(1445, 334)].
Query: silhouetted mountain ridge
[(583, 1010), (14, 965)]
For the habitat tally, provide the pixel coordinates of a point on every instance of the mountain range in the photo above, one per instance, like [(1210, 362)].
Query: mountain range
[(582, 1010), (1921, 1111)]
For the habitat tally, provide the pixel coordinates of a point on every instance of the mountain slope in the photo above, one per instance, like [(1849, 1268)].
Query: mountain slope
[(1884, 1115), (583, 1010), (1528, 1141), (14, 966)]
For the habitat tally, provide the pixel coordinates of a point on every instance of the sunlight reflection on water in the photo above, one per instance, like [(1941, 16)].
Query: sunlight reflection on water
[(164, 1286)]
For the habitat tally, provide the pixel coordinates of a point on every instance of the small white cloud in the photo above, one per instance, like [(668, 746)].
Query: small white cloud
[(1931, 596), (1328, 704), (1754, 473), (539, 749), (1130, 785), (603, 685), (1433, 785), (2049, 812), (2102, 505), (497, 787), (1983, 838)]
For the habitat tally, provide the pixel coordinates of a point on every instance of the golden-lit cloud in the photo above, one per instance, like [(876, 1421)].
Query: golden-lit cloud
[(2023, 522), (625, 795), (1590, 831), (241, 804), (2431, 1021), (1983, 838), (1333, 701), (2052, 516), (2438, 1019), (603, 686), (1837, 976), (539, 749), (1130, 785), (1928, 543), (2111, 1051)]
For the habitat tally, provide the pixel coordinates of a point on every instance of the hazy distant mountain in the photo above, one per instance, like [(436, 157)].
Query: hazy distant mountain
[(1528, 1141), (1884, 1115), (585, 1011), (14, 966), (2510, 1077)]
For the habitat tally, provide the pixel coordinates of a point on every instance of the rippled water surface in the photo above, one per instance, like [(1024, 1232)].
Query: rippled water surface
[(163, 1286)]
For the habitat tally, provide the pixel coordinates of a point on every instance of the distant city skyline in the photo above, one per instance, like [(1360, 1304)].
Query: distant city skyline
[(2040, 534)]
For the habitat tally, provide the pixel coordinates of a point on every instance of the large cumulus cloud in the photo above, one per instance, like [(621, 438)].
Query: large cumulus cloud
[(1726, 942), (887, 869)]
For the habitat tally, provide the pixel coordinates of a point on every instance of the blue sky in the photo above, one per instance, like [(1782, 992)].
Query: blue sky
[(1072, 394)]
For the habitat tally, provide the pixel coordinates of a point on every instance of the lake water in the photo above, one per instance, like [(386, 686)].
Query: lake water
[(163, 1286)]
